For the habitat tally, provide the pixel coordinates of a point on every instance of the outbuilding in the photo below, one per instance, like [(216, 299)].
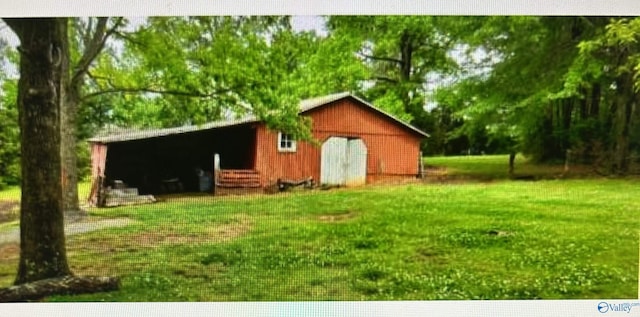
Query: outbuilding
[(356, 143)]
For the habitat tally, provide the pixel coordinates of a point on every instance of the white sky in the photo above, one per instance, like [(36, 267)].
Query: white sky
[(308, 23), (315, 7)]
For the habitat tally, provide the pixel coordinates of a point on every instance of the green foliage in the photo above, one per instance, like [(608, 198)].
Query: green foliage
[(190, 70), (550, 86), (399, 53), (9, 135)]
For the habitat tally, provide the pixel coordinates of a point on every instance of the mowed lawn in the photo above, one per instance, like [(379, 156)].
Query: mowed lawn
[(568, 239), (491, 167)]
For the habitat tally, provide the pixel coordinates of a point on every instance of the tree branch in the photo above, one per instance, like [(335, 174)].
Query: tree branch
[(94, 47), (126, 37), (142, 90), (380, 58), (387, 79)]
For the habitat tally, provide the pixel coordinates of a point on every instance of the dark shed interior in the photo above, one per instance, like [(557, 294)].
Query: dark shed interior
[(180, 159)]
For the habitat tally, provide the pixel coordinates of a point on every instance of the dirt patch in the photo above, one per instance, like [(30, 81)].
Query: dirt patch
[(338, 217), (435, 171), (9, 251), (9, 210), (169, 236), (499, 233)]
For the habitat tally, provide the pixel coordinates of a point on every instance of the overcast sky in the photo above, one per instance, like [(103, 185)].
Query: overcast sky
[(300, 23), (316, 7)]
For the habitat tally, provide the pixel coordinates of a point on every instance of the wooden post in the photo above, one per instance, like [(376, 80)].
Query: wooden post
[(567, 161), (512, 158), (216, 172)]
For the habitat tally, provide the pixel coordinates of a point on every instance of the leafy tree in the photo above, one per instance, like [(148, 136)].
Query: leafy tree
[(605, 79), (400, 52), (557, 85), (189, 70), (9, 135)]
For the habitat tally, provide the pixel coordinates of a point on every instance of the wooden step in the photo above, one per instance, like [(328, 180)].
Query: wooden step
[(238, 179)]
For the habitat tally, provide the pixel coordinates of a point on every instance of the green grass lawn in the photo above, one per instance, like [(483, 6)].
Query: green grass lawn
[(489, 167), (569, 239)]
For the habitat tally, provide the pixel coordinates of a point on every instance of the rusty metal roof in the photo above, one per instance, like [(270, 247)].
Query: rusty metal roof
[(305, 105)]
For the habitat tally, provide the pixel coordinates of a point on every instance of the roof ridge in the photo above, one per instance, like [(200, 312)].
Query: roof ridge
[(304, 106)]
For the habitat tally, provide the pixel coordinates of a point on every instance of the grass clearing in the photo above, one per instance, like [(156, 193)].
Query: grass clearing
[(570, 239), (491, 167)]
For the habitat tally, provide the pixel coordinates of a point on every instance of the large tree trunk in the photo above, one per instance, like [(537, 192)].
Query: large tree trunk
[(68, 143), (73, 80), (625, 103), (567, 110), (42, 241), (406, 56)]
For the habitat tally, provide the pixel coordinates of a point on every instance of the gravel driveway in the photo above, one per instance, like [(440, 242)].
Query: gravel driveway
[(13, 235)]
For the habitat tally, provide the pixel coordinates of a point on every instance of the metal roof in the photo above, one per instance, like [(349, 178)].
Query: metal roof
[(305, 105)]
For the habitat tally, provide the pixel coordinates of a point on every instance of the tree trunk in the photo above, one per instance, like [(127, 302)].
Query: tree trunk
[(595, 101), (512, 159), (567, 110), (625, 102), (73, 80), (591, 136), (42, 240), (68, 149), (548, 144), (406, 56), (68, 116)]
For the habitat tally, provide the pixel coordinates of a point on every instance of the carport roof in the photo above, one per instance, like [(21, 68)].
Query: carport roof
[(305, 105)]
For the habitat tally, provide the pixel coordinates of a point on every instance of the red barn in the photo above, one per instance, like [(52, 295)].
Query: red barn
[(357, 143)]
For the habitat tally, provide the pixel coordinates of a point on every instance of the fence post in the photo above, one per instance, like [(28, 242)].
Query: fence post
[(216, 171), (567, 161)]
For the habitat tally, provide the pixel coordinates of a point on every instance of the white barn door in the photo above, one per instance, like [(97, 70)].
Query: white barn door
[(356, 173), (343, 162), (333, 161)]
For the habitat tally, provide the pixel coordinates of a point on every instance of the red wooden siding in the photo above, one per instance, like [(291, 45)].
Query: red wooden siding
[(392, 149), (98, 159)]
